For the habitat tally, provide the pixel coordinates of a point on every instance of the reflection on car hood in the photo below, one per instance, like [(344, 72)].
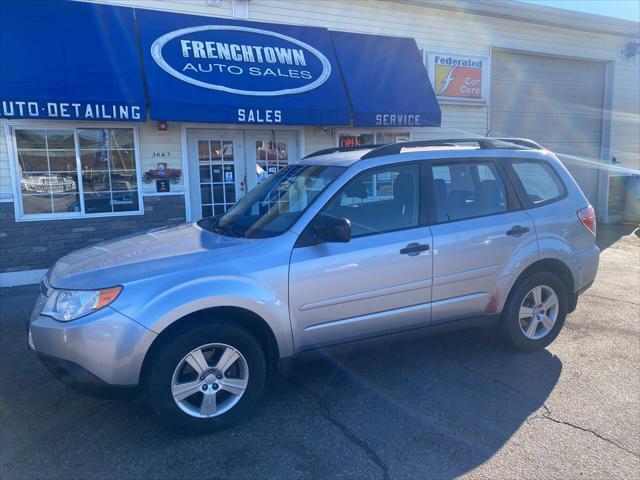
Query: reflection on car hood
[(141, 256)]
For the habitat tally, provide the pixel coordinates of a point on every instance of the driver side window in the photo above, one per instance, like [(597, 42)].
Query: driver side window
[(378, 201)]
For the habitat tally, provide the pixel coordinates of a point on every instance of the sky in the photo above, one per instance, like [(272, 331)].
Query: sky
[(626, 9)]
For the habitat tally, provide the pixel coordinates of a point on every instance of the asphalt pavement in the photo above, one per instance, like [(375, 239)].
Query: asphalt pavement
[(454, 405)]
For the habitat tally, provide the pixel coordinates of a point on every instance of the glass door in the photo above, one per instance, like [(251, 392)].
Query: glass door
[(225, 164), (217, 171), (269, 152)]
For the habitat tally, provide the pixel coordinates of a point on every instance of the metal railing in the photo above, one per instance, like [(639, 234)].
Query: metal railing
[(484, 143)]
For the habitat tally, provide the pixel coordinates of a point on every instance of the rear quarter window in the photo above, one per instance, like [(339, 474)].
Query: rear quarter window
[(540, 182)]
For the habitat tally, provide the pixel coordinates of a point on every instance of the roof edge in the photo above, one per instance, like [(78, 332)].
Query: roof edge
[(540, 14)]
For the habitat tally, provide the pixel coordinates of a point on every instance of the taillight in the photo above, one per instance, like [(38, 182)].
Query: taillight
[(588, 218)]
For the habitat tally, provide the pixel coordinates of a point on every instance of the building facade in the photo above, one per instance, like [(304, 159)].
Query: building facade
[(204, 99)]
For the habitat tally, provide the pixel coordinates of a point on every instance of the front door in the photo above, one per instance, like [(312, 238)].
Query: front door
[(378, 282), (217, 177), (225, 164)]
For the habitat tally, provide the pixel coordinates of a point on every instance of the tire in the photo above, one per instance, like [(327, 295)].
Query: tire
[(537, 331), (233, 373)]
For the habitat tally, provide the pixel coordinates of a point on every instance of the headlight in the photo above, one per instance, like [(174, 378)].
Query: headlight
[(65, 305)]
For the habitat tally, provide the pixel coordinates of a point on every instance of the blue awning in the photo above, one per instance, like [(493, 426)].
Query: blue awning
[(387, 82), (75, 60), (205, 69), (69, 60)]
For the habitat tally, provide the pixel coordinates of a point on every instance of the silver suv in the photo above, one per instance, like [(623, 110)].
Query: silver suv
[(340, 247)]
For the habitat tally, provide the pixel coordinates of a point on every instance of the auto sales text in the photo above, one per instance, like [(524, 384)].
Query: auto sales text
[(243, 54)]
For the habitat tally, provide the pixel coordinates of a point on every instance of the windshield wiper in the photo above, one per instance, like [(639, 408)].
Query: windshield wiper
[(207, 223), (226, 230)]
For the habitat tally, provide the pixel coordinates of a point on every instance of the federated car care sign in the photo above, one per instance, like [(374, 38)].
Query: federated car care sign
[(225, 71), (459, 78)]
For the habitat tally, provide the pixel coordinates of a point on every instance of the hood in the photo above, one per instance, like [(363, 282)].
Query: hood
[(141, 256)]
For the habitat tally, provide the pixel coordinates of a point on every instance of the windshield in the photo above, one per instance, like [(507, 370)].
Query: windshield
[(274, 205)]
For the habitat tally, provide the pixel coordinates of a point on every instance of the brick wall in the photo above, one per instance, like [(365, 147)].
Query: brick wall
[(38, 244)]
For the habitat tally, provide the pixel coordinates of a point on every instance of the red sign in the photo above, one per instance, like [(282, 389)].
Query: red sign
[(349, 141)]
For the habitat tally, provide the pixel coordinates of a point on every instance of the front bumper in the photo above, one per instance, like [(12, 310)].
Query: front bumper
[(103, 348), (82, 380)]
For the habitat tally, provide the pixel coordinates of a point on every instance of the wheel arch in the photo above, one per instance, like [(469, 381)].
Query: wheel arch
[(238, 316), (550, 265)]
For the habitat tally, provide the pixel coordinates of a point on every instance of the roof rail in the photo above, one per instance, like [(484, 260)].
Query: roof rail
[(523, 142), (326, 151), (394, 148), (485, 143)]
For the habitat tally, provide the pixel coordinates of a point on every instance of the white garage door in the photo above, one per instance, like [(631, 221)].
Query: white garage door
[(554, 101)]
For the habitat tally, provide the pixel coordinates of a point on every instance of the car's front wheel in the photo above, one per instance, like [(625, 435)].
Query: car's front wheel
[(535, 312), (207, 378)]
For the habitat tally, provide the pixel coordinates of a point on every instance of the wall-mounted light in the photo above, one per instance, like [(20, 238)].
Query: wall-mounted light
[(631, 49), (322, 131), (161, 126)]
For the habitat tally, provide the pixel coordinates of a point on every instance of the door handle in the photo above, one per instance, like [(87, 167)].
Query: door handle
[(414, 249), (517, 230)]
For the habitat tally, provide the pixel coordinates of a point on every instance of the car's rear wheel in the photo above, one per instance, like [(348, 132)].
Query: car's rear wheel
[(207, 378), (535, 312)]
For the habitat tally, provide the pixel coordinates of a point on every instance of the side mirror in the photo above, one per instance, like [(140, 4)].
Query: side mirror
[(328, 229)]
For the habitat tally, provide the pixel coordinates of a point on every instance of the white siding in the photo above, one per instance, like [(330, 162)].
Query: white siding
[(314, 142), (167, 143), (457, 120), (195, 7)]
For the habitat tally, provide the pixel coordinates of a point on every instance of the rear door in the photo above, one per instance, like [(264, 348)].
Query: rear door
[(479, 233), (378, 282)]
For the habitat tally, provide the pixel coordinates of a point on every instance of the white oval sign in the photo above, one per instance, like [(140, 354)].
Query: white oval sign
[(248, 62)]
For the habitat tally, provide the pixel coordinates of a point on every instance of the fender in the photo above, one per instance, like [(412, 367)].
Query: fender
[(551, 249), (521, 259), (555, 247), (219, 291), (582, 263)]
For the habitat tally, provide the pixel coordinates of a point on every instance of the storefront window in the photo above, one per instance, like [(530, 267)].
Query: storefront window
[(358, 139), (71, 172), (392, 137), (48, 172)]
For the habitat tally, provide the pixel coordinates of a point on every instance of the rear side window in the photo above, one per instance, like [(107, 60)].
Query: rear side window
[(541, 184), (467, 190)]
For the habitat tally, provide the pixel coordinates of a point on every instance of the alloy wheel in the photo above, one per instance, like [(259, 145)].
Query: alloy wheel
[(538, 312), (210, 380)]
